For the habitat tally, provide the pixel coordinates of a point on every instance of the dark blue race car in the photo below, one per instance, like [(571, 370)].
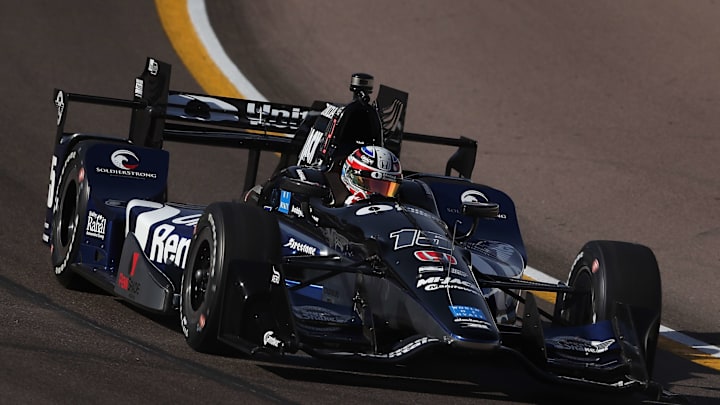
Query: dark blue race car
[(437, 267)]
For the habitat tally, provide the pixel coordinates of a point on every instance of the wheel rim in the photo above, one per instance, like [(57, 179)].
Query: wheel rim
[(579, 306), (200, 276)]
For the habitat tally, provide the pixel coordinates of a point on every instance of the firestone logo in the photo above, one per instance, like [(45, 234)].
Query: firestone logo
[(300, 247)]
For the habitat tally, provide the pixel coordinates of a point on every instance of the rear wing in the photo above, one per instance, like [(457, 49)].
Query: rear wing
[(160, 114)]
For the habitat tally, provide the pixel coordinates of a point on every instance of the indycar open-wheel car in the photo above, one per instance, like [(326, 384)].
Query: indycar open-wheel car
[(439, 266)]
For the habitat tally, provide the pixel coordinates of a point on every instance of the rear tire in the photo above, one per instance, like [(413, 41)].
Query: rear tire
[(616, 272), (68, 223), (226, 234)]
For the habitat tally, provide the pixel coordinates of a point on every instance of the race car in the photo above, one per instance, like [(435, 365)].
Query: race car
[(436, 267)]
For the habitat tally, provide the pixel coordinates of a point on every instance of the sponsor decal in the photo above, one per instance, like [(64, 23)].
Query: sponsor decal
[(329, 136), (411, 346), (338, 242), (458, 272), (299, 247), (331, 110), (167, 247), (123, 281), (125, 162), (139, 87), (472, 196), (128, 284), (320, 314), (269, 339), (284, 206), (96, 224), (297, 211), (115, 203), (500, 251), (437, 283), (464, 311), (435, 257), (414, 345), (469, 317), (188, 220), (366, 159), (269, 114), (310, 147), (275, 279), (472, 323), (51, 186), (153, 67), (418, 211), (126, 173), (578, 344), (214, 109), (319, 137), (405, 238), (430, 269), (374, 209), (60, 105), (125, 159)]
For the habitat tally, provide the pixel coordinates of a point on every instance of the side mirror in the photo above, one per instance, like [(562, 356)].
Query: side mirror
[(481, 209), (478, 210), (306, 188)]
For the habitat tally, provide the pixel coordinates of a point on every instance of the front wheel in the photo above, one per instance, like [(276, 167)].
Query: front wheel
[(608, 272), (226, 236)]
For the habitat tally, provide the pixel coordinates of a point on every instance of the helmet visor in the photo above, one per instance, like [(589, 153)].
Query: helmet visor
[(383, 187)]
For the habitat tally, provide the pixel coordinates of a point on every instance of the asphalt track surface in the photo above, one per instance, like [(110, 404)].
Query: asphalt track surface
[(598, 118)]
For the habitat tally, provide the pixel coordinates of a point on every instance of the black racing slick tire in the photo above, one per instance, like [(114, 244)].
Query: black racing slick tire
[(616, 272), (69, 206), (226, 235)]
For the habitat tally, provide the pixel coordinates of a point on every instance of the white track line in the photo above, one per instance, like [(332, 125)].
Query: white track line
[(665, 331), (199, 17)]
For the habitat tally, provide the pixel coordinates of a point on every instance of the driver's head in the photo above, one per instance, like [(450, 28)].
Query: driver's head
[(372, 170)]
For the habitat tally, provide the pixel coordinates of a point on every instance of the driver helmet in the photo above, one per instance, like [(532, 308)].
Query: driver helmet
[(371, 170)]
